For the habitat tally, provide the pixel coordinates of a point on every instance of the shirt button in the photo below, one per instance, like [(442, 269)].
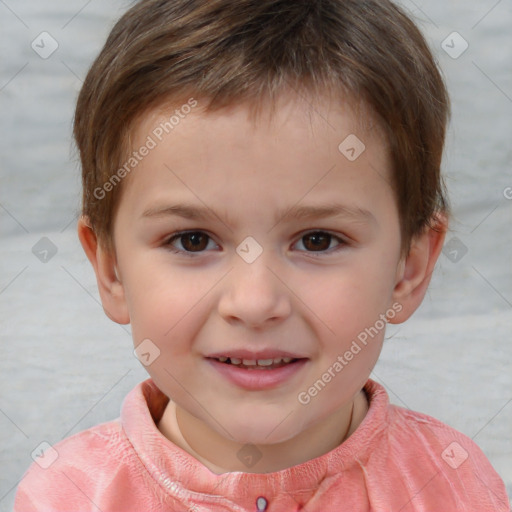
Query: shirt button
[(261, 504)]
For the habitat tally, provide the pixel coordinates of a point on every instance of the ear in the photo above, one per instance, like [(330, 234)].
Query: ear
[(415, 270), (109, 285)]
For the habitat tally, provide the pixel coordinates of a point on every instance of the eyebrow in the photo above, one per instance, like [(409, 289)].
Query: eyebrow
[(295, 212)]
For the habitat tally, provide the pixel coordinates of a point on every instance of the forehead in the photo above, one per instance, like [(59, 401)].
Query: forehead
[(229, 155), (305, 108)]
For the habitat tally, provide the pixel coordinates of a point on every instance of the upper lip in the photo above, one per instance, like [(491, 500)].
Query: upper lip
[(253, 356)]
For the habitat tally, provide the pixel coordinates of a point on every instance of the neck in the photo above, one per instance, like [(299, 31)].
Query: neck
[(221, 455)]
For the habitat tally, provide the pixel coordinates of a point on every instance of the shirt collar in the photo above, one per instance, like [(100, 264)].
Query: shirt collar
[(183, 476)]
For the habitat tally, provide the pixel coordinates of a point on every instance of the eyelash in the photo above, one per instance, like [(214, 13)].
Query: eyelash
[(192, 254)]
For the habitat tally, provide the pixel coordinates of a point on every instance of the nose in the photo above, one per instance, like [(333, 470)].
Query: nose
[(253, 295)]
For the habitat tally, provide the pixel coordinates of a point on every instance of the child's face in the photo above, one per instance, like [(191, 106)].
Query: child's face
[(304, 296)]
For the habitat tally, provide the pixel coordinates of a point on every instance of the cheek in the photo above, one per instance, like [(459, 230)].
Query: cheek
[(161, 304), (345, 301)]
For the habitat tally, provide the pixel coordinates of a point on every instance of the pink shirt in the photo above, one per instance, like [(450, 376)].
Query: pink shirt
[(396, 460)]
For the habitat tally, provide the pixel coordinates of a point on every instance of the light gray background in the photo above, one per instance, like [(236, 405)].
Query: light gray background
[(64, 366)]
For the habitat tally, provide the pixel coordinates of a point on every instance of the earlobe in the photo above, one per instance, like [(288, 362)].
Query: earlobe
[(415, 271), (110, 287)]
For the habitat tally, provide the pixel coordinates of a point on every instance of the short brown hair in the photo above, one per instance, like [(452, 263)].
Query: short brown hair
[(248, 51)]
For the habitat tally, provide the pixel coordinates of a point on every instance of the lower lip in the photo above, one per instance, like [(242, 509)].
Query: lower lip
[(258, 379)]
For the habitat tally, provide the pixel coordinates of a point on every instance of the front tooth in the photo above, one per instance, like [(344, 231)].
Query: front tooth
[(235, 360), (265, 362), (249, 362)]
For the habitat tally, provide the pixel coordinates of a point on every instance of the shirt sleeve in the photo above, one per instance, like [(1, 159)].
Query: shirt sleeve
[(74, 474), (441, 468)]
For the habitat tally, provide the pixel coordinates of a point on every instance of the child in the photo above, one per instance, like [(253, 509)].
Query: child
[(223, 144)]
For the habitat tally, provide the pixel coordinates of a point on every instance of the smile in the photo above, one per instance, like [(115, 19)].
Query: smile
[(257, 374), (257, 364)]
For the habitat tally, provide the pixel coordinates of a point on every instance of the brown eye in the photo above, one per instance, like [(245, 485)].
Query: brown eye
[(320, 241), (191, 242), (317, 241), (195, 241)]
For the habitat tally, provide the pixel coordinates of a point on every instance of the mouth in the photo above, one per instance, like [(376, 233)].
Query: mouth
[(258, 371), (257, 364)]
